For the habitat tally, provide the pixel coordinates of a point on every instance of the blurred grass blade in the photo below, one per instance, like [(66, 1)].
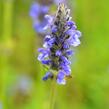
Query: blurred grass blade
[(7, 36)]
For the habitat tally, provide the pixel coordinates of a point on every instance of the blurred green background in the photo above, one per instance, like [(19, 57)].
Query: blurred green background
[(89, 87)]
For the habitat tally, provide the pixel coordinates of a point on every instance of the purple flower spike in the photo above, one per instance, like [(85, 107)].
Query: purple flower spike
[(57, 44)]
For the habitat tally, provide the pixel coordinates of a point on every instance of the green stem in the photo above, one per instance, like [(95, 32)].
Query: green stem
[(53, 93)]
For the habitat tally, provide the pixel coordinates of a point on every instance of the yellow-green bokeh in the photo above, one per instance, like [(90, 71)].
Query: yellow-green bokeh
[(89, 86)]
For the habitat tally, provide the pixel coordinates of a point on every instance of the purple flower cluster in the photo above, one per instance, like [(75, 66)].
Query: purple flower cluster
[(37, 13), (56, 52)]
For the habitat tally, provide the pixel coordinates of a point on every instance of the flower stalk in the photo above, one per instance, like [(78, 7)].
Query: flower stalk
[(62, 34), (52, 94)]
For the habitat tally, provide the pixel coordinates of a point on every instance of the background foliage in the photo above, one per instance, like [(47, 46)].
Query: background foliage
[(89, 87)]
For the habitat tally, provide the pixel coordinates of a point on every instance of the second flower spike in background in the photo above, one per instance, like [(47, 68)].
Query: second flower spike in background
[(38, 11)]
